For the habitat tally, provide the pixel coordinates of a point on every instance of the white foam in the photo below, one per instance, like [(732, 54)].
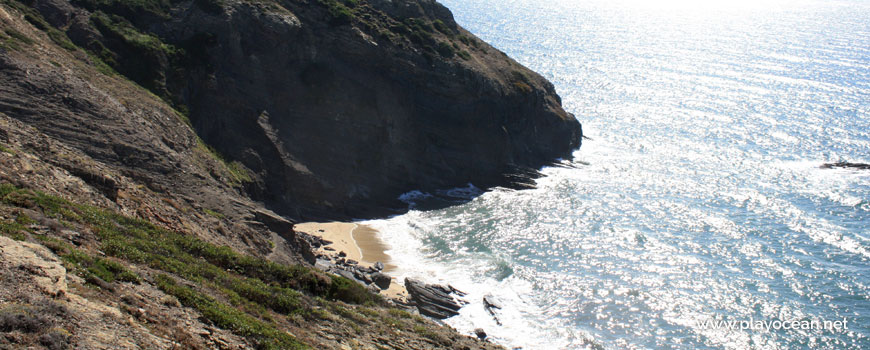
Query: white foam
[(523, 323)]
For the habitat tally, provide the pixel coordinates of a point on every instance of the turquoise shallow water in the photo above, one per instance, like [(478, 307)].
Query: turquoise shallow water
[(702, 198)]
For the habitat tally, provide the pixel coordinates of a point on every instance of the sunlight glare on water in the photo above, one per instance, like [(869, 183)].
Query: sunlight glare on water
[(702, 198)]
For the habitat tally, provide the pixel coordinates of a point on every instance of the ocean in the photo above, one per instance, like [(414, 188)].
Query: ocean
[(696, 216)]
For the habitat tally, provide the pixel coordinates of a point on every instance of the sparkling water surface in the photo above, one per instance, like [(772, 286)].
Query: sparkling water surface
[(699, 196)]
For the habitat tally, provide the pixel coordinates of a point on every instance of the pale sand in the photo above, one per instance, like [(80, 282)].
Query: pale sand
[(360, 243)]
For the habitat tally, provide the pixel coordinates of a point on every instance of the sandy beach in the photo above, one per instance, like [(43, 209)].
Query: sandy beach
[(359, 242)]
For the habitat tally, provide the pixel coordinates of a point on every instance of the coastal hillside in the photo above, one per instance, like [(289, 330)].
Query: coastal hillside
[(326, 108), (154, 156)]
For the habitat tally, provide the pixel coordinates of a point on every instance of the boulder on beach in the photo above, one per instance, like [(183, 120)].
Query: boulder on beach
[(381, 280)]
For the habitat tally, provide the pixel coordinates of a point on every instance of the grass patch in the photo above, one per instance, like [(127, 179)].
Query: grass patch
[(15, 39), (13, 230), (237, 171), (122, 29), (464, 54), (4, 149), (224, 316), (400, 313), (214, 214), (89, 266), (245, 279), (142, 57), (339, 11), (432, 335)]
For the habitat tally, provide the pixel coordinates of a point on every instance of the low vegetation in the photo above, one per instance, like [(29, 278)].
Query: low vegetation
[(340, 10), (243, 279), (32, 16), (238, 173), (38, 321), (227, 317)]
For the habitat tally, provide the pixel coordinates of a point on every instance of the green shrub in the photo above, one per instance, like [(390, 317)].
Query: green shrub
[(338, 11), (239, 174), (20, 37), (446, 50), (227, 317), (13, 230), (443, 28), (213, 213), (111, 271), (400, 313)]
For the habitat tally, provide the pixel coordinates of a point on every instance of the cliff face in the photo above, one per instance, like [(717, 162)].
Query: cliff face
[(338, 118), (333, 107), (140, 138)]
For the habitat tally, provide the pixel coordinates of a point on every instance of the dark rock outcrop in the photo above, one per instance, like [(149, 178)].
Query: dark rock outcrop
[(381, 280), (333, 114), (846, 165), (492, 305), (432, 300)]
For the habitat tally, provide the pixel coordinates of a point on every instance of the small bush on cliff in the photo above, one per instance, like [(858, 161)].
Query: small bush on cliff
[(13, 230), (446, 50), (14, 40), (464, 54), (238, 173), (443, 28), (22, 318), (338, 11)]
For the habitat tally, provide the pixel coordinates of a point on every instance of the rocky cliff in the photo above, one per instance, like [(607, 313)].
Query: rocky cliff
[(151, 152), (332, 107)]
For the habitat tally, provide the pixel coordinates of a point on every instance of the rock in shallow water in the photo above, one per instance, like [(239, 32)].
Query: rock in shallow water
[(860, 166), (431, 299), (480, 333), (491, 304)]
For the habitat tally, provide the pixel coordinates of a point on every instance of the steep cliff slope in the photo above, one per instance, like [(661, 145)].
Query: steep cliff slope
[(332, 107), (120, 229), (150, 151)]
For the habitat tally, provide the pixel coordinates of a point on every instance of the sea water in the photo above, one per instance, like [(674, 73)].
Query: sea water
[(698, 197)]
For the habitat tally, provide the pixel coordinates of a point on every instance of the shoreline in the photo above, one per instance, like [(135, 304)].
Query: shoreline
[(359, 243)]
